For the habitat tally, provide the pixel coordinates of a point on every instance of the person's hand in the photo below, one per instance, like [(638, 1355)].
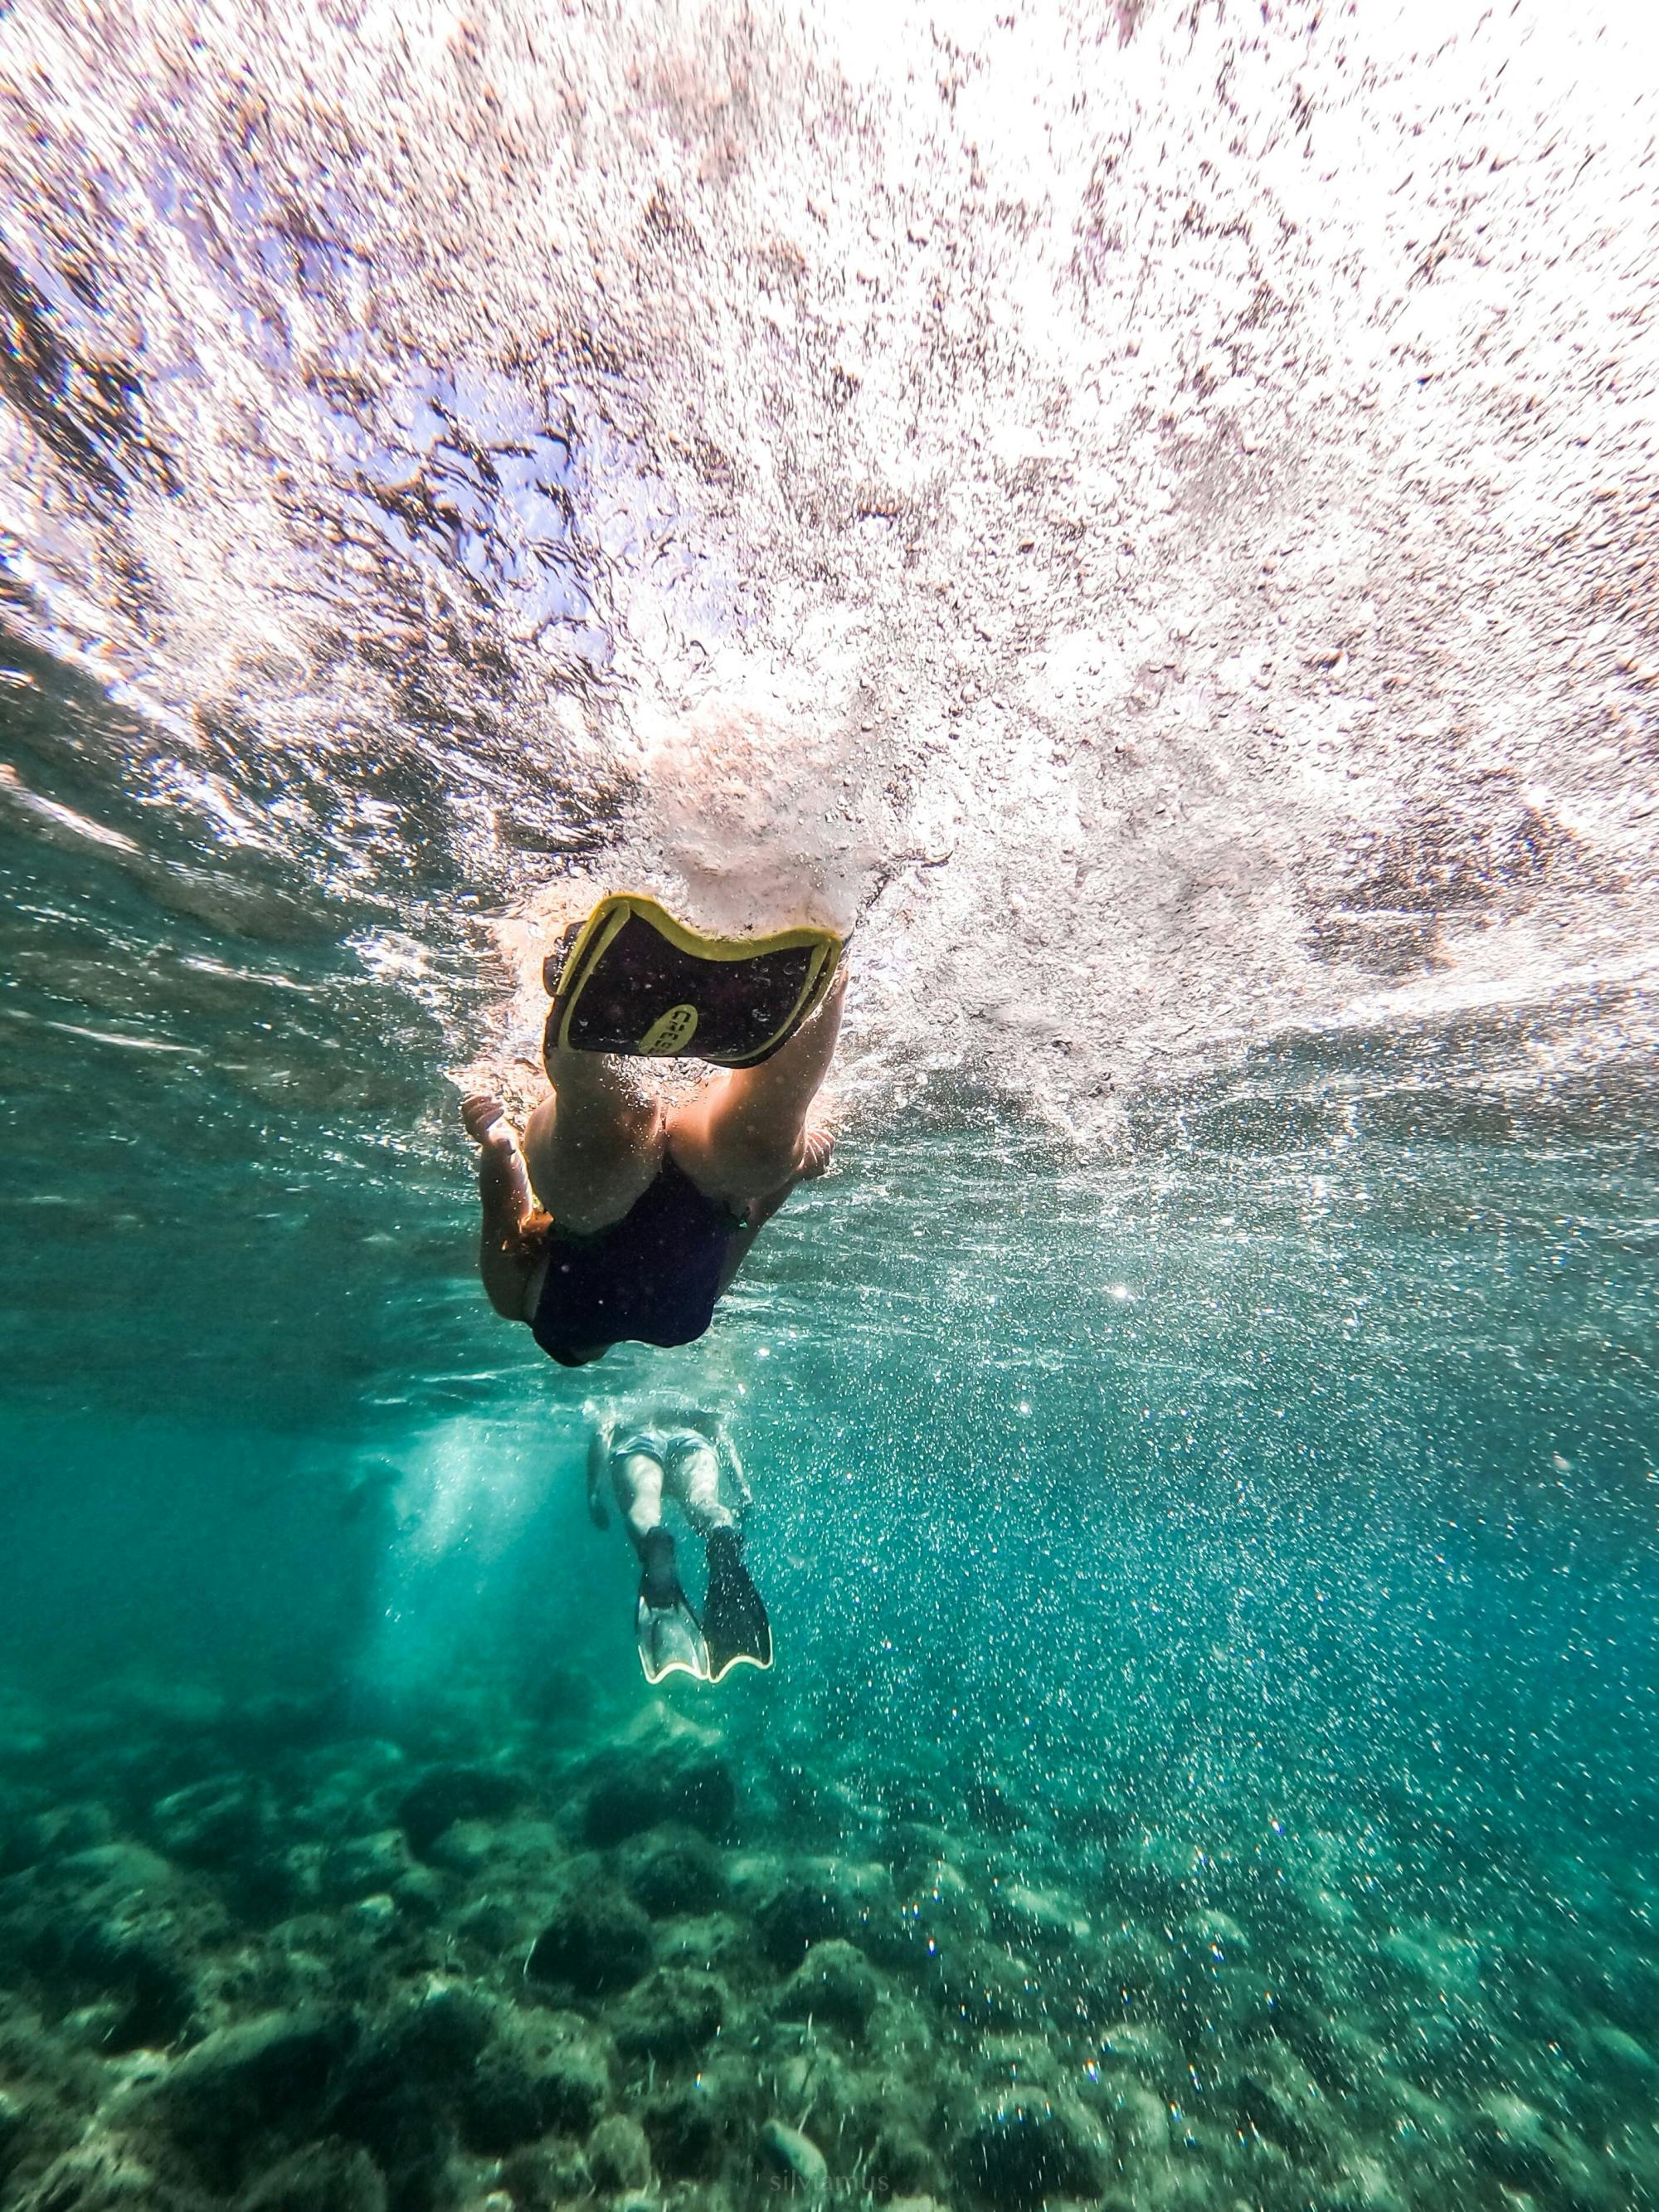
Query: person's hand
[(816, 1146), (485, 1119)]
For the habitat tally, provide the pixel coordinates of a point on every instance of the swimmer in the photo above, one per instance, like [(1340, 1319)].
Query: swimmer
[(619, 1218), (648, 1449)]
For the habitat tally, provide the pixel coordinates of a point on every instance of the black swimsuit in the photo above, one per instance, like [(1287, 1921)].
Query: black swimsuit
[(652, 1277)]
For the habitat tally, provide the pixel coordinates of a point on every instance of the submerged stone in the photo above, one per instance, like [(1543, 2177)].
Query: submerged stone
[(672, 2013), (618, 2155), (799, 1913), (447, 1794), (787, 2152), (271, 2076), (365, 1866), (325, 2177), (684, 2139), (834, 1982), (672, 1871), (648, 1785), (1018, 2150), (220, 1823), (597, 1940)]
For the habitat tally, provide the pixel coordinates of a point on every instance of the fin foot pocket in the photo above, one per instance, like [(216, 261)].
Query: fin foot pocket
[(633, 979), (665, 1630)]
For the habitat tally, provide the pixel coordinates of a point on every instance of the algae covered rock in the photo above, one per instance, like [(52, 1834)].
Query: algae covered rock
[(543, 2071), (1016, 2150), (618, 2155), (645, 1786), (104, 2177), (327, 2177), (368, 1866), (396, 2093), (271, 2077), (220, 1823), (672, 1871), (835, 1983), (595, 1941), (673, 2013), (447, 1794), (146, 1991), (684, 2134), (801, 1910)]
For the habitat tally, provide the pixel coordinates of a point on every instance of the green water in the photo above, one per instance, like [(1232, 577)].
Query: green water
[(1144, 513), (1215, 1591)]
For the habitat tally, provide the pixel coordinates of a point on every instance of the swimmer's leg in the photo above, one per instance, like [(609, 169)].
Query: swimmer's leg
[(744, 1135), (596, 1145), (664, 1627), (735, 1625)]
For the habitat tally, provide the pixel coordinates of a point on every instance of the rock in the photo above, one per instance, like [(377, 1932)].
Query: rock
[(1279, 2098), (58, 1832), (152, 1995), (985, 1986), (447, 1794), (1017, 2150), (797, 1913), (596, 1941), (101, 2177), (397, 2092), (220, 1823), (1036, 1919), (546, 2177), (684, 2141), (902, 2165), (618, 2155), (323, 2177), (647, 1785), (672, 1871), (273, 2075), (366, 1866), (834, 1982), (541, 2073), (420, 1895), (672, 2013), (786, 2151)]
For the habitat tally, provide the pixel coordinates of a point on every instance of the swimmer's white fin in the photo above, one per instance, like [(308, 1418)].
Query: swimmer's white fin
[(666, 1629), (633, 979)]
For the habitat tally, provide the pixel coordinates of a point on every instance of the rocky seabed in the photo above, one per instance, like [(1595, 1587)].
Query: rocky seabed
[(251, 1959)]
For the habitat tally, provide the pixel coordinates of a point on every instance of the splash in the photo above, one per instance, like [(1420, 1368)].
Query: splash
[(1149, 513)]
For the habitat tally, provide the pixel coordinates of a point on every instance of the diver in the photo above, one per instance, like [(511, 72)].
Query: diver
[(645, 1450), (622, 1217)]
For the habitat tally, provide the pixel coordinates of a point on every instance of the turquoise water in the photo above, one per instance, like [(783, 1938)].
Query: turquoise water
[(1211, 1754), (1021, 493)]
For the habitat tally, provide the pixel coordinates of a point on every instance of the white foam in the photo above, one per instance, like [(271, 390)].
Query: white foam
[(1144, 522)]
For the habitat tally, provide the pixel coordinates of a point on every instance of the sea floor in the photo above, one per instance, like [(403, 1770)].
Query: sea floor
[(253, 1956)]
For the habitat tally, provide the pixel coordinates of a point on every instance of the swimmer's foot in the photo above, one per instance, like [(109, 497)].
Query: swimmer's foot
[(665, 1627), (735, 1625)]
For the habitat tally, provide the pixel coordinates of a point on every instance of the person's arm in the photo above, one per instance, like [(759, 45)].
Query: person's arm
[(507, 1258), (599, 1465), (726, 1449)]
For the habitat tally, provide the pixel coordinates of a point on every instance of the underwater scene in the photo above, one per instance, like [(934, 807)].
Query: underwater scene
[(1139, 522)]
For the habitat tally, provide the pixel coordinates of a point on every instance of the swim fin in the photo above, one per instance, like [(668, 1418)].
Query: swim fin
[(633, 979), (735, 1625), (664, 1627)]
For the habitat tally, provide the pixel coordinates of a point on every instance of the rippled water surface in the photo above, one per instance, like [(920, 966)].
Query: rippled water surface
[(1151, 518)]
